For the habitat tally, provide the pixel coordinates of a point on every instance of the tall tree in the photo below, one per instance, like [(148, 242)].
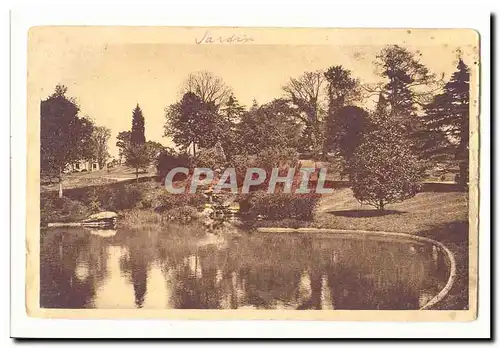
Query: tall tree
[(232, 112), (342, 88), (63, 134), (137, 153), (208, 87), (447, 122), (232, 109), (137, 136), (99, 145), (192, 122), (408, 86), (305, 93)]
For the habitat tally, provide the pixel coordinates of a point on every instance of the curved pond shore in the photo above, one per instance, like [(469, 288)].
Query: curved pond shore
[(398, 235)]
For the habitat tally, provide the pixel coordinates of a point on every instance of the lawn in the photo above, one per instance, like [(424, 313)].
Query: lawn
[(98, 177), (425, 211)]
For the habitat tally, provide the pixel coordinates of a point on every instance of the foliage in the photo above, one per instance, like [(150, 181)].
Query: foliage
[(345, 129), (182, 213), (138, 157), (409, 85), (447, 122), (342, 88), (305, 92), (62, 209), (137, 153), (123, 141), (193, 122), (168, 160), (99, 145), (384, 169), (279, 205), (125, 197), (213, 158), (272, 125), (64, 135), (231, 112), (137, 136), (166, 201)]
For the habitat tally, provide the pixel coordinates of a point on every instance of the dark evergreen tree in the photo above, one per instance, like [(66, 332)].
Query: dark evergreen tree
[(447, 123), (137, 136), (403, 91), (137, 154)]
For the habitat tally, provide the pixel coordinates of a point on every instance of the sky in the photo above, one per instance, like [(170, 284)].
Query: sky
[(108, 78)]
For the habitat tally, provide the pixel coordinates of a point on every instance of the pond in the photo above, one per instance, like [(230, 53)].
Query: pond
[(187, 267)]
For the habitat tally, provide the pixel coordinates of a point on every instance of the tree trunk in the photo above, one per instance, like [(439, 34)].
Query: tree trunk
[(60, 183), (137, 175), (381, 205), (194, 149)]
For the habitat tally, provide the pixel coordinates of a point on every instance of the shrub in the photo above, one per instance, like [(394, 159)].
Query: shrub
[(384, 168), (62, 209), (182, 213), (167, 160), (278, 205), (166, 201), (213, 158), (125, 197)]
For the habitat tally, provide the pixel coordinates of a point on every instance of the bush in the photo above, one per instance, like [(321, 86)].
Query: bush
[(212, 158), (62, 210), (168, 160), (183, 213), (166, 201), (125, 197), (278, 205)]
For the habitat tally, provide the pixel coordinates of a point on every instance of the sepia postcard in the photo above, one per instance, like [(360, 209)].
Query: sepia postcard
[(252, 173)]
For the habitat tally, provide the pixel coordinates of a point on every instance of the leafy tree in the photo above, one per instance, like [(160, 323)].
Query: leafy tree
[(99, 145), (345, 129), (271, 125), (123, 140), (137, 157), (137, 136), (305, 93), (384, 169), (169, 159), (447, 122), (63, 134), (192, 122)]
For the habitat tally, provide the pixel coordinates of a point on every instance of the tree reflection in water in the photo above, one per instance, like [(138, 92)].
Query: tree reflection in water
[(265, 271)]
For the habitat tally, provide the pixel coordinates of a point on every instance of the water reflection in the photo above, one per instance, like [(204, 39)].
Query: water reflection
[(184, 267)]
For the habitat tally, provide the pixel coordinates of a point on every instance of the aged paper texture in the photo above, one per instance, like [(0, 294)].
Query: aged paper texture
[(330, 174)]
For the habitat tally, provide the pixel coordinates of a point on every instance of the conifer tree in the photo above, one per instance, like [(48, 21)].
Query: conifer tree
[(447, 122)]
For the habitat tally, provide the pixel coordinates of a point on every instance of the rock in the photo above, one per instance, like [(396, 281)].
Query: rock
[(102, 216)]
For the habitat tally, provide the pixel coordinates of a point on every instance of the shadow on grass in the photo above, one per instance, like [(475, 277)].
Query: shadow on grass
[(358, 213)]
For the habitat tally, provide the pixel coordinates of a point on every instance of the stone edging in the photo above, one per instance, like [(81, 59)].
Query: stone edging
[(449, 254)]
